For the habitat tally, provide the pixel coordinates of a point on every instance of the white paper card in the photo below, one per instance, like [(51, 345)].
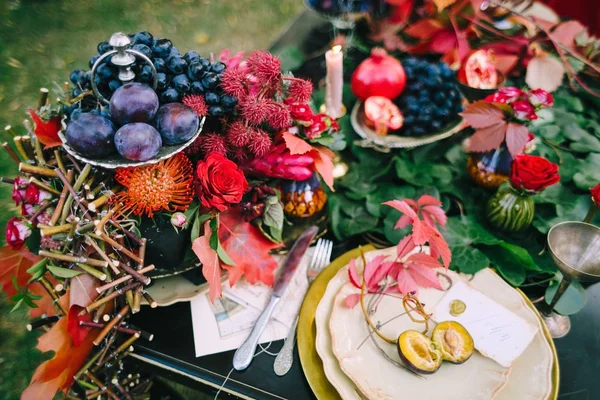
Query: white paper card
[(497, 332), (225, 325)]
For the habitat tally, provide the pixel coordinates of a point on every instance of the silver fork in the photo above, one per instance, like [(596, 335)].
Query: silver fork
[(320, 259)]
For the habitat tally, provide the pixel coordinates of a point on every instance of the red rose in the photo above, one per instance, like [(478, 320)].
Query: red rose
[(18, 193), (533, 173), (497, 98), (33, 195), (301, 113), (321, 123), (524, 110), (541, 98), (512, 93), (16, 233), (596, 194), (219, 182)]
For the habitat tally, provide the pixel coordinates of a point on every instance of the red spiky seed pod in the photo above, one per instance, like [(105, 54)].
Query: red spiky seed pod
[(300, 91), (279, 116), (233, 81), (238, 134), (253, 109), (260, 143), (196, 103), (213, 143), (266, 67)]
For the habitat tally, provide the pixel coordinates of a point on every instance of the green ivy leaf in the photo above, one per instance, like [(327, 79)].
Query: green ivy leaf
[(571, 302), (391, 234), (63, 272), (507, 253), (468, 260), (198, 224), (387, 192), (464, 231), (513, 274), (589, 172), (407, 171), (586, 144), (34, 240), (555, 194), (273, 215)]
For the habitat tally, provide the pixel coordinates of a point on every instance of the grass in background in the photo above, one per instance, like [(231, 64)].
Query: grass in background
[(42, 41)]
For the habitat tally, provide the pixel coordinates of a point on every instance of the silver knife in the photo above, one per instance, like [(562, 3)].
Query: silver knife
[(243, 356)]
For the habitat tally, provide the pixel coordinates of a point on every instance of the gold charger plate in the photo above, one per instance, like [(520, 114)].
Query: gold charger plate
[(309, 358)]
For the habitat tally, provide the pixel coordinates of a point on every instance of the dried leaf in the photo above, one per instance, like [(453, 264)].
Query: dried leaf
[(545, 72), (15, 263), (442, 4), (424, 28), (248, 248), (211, 267), (78, 333), (295, 144), (323, 158), (481, 114), (83, 290), (516, 138), (489, 138), (566, 32)]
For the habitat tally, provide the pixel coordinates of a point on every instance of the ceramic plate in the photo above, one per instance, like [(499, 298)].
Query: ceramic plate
[(384, 143), (534, 375)]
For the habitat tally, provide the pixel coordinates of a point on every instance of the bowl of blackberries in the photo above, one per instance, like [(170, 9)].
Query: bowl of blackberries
[(142, 124), (426, 110)]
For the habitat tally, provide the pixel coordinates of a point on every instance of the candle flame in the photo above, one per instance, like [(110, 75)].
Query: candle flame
[(337, 48)]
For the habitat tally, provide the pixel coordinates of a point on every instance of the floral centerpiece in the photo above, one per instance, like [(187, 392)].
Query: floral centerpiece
[(77, 255)]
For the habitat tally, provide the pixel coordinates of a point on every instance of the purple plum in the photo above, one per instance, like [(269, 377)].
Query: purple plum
[(91, 135), (138, 141), (133, 102), (176, 122)]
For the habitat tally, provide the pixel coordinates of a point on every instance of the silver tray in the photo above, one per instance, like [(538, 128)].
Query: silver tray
[(385, 143), (116, 161)]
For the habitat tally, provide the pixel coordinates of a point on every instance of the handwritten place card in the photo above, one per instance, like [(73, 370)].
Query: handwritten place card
[(498, 333)]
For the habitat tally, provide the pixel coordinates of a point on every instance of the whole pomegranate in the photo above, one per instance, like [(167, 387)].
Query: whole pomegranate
[(378, 75)]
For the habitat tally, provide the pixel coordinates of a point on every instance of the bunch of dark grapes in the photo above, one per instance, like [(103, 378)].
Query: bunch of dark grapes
[(431, 99), (177, 75)]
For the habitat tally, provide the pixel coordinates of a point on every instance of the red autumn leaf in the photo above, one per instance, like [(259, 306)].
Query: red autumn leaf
[(567, 31), (424, 28), (424, 277), (442, 4), (57, 373), (78, 333), (481, 114), (324, 164), (439, 247), (352, 300), (488, 138), (443, 42), (15, 263), (505, 63), (45, 305), (211, 267), (83, 290), (295, 144), (247, 247), (516, 138), (424, 260), (46, 131), (405, 246)]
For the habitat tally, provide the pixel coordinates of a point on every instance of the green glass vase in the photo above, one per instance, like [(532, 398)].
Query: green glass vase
[(510, 209)]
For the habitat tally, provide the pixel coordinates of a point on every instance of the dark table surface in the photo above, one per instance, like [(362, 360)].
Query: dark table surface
[(172, 354)]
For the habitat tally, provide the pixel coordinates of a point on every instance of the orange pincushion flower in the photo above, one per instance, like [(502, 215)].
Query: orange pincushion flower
[(164, 186)]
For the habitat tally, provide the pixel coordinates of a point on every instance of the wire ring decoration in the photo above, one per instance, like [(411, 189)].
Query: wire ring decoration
[(128, 67)]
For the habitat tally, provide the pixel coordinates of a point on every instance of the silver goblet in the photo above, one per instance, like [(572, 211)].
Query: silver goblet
[(575, 249)]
